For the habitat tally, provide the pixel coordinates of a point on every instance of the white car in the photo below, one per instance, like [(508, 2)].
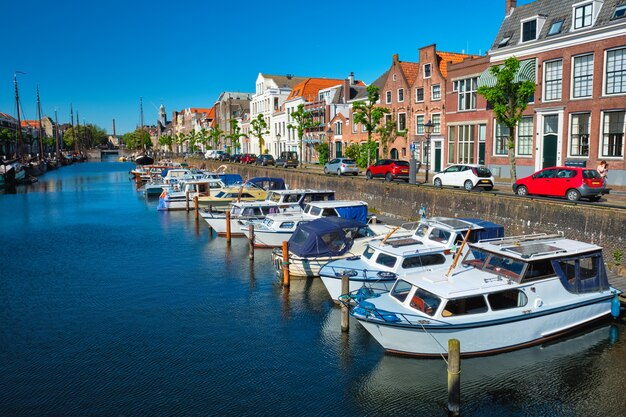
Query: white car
[(468, 176)]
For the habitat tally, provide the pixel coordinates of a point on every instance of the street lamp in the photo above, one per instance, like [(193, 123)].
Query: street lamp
[(329, 132), (278, 145), (428, 129)]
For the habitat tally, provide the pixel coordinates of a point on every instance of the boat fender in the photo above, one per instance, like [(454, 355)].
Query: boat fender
[(538, 302), (163, 194), (615, 306)]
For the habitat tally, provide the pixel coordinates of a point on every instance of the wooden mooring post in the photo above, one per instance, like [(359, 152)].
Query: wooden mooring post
[(228, 226), (285, 264), (454, 377), (251, 241), (196, 207), (187, 200), (345, 310)]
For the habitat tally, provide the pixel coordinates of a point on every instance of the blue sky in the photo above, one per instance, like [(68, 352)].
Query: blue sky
[(103, 56)]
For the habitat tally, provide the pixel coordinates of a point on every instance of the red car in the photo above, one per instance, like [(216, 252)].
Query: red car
[(390, 169), (248, 158), (569, 182)]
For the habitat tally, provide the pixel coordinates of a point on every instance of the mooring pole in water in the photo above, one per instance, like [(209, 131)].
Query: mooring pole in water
[(285, 264), (345, 311), (251, 241), (195, 206), (187, 200), (454, 377), (228, 226)]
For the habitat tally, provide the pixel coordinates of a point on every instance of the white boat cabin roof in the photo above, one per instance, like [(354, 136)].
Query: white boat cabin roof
[(535, 247), (337, 203)]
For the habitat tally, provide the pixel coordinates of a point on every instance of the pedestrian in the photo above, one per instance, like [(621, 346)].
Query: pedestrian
[(603, 170)]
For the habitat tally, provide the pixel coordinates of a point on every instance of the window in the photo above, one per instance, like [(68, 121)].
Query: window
[(419, 94), (395, 77), (425, 301), (525, 136), (555, 28), (353, 124), (427, 71), (620, 11), (583, 76), (423, 261), (504, 41), (462, 306), (451, 150), (436, 121), (553, 80), (502, 138), (435, 92), (467, 93), (401, 122), (613, 134), (582, 16), (419, 124), (529, 30), (579, 139), (616, 71), (386, 260), (455, 86), (338, 128), (466, 144), (507, 299), (400, 95), (388, 97), (400, 289)]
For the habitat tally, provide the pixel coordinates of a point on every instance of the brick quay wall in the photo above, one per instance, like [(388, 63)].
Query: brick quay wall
[(595, 224)]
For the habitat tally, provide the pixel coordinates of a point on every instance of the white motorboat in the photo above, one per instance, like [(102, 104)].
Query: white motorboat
[(178, 196), (508, 293), (431, 246)]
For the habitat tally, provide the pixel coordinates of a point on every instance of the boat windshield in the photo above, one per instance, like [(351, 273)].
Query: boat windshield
[(236, 211), (421, 230), (275, 197), (369, 251), (496, 263)]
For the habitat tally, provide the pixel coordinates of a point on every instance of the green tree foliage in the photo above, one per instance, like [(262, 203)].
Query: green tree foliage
[(234, 135), (323, 152), (137, 140), (359, 152), (8, 140), (215, 135), (368, 114), (85, 136), (167, 141), (388, 132), (259, 128), (203, 138), (303, 120), (509, 99)]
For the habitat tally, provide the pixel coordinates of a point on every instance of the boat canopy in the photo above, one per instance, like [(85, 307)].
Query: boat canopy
[(327, 236), (268, 183), (230, 179), (489, 230), (582, 274)]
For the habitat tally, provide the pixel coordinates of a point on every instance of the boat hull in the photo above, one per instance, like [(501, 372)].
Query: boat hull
[(485, 338)]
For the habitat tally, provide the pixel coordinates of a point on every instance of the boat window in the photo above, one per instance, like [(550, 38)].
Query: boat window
[(462, 306), (334, 241), (287, 225), (315, 211), (507, 299), (423, 261), (220, 194), (400, 290), (582, 275), (421, 230), (246, 195), (300, 236), (368, 252), (386, 260), (505, 266), (292, 198), (329, 212), (257, 211), (268, 222), (425, 301), (236, 211), (364, 232), (439, 235), (275, 197), (538, 270), (248, 211)]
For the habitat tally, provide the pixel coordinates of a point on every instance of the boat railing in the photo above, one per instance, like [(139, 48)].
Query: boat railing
[(371, 275), (369, 311), (507, 240)]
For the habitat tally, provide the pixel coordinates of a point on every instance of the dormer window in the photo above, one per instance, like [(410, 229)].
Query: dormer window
[(427, 71), (394, 77), (620, 11), (555, 28), (504, 41), (529, 30), (583, 16)]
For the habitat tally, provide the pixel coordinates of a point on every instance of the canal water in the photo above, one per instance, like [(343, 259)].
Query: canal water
[(108, 307)]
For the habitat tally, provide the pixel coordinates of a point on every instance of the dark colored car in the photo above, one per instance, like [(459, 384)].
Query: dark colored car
[(223, 157), (287, 159), (236, 157), (390, 169), (248, 158), (572, 183), (265, 160)]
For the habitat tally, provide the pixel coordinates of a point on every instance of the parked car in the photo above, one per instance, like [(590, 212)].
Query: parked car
[(236, 157), (248, 158), (390, 169), (265, 160), (224, 156), (569, 182), (287, 159), (468, 176), (214, 154), (341, 166)]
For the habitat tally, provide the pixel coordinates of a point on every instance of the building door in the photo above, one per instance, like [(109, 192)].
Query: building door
[(550, 140), (338, 150), (394, 153), (437, 157), (482, 136)]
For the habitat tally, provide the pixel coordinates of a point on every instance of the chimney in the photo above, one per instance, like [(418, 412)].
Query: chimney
[(351, 78), (346, 89), (395, 58), (510, 6)]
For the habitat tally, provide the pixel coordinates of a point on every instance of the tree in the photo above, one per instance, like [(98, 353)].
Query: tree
[(509, 99), (368, 114), (7, 138), (388, 132), (215, 135), (167, 141), (323, 152), (203, 137), (234, 135), (192, 138), (259, 128), (303, 120)]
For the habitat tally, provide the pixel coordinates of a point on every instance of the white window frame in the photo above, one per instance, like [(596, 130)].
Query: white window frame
[(435, 130), (400, 91), (571, 132), (539, 22), (573, 77), (394, 77), (417, 124), (580, 6), (495, 140), (388, 97), (432, 92), (602, 139), (473, 94), (604, 73), (545, 80), (517, 136), (422, 100), (353, 124), (430, 70), (405, 122)]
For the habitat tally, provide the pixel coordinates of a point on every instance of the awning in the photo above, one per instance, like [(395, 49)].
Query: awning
[(526, 72)]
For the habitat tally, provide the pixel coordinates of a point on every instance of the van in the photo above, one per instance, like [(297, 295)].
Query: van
[(287, 159)]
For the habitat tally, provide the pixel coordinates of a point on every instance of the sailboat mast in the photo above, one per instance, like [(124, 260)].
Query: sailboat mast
[(56, 134), (73, 130), (19, 149), (77, 139), (41, 146)]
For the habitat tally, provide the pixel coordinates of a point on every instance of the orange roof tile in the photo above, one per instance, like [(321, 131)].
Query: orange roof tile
[(310, 88), (410, 70), (30, 123), (455, 58)]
